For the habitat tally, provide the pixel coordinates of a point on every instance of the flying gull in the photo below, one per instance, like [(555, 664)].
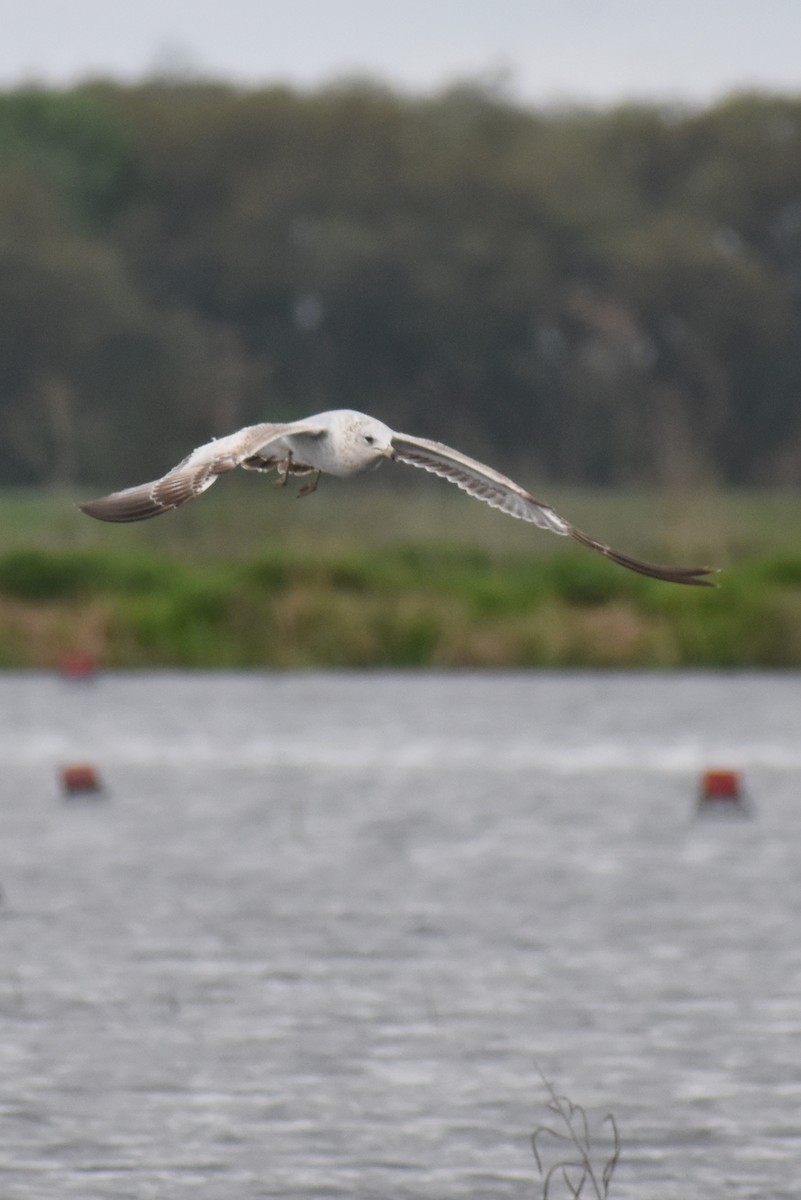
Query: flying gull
[(344, 442)]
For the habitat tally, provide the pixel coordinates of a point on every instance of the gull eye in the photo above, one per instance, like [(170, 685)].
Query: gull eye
[(368, 437)]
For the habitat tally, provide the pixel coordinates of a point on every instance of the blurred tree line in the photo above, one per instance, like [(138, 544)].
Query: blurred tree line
[(604, 297)]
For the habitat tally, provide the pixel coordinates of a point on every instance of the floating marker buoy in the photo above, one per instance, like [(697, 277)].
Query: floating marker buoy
[(721, 790), (720, 785), (77, 665), (81, 779)]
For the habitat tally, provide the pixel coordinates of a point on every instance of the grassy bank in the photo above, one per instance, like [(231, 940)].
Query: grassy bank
[(432, 604), (367, 575)]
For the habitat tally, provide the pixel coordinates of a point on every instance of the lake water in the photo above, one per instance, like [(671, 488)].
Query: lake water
[(324, 931)]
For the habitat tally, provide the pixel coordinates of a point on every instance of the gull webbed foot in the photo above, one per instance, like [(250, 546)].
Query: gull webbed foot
[(310, 487)]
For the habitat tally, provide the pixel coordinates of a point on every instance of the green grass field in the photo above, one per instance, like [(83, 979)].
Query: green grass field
[(365, 574), (244, 514)]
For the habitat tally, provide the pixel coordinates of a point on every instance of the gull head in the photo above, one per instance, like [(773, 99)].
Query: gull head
[(364, 442)]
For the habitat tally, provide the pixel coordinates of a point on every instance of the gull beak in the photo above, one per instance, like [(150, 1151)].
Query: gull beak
[(389, 452)]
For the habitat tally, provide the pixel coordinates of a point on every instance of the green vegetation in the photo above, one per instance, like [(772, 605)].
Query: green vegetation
[(582, 298), (353, 581)]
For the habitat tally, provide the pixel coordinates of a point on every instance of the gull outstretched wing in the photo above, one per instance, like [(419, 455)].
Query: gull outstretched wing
[(197, 472), (487, 484)]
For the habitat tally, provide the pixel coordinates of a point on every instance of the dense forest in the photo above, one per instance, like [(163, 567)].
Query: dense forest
[(603, 297)]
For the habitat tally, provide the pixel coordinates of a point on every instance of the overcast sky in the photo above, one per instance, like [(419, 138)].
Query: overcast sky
[(596, 51)]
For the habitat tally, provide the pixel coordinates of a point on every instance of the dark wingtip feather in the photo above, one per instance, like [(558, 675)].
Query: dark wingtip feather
[(122, 506), (691, 576)]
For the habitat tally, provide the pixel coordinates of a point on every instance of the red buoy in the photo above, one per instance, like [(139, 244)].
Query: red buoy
[(80, 779), (721, 785), (722, 791), (77, 665)]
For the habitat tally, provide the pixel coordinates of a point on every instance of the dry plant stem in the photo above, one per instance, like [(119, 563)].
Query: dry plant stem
[(575, 1172)]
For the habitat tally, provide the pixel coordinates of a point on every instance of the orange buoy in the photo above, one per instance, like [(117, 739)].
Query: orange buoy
[(80, 779), (720, 785), (722, 789)]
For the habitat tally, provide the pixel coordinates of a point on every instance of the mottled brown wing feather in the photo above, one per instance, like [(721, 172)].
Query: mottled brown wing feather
[(192, 476), (484, 483), (150, 499)]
